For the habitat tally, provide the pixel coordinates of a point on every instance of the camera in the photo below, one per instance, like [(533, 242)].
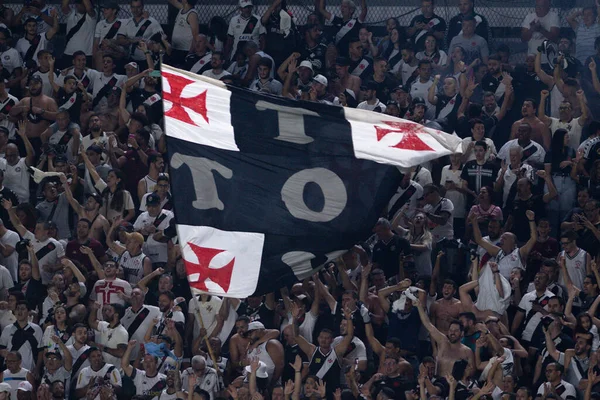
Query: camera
[(547, 321)]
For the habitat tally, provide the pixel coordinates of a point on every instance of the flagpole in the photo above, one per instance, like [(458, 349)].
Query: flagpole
[(210, 350)]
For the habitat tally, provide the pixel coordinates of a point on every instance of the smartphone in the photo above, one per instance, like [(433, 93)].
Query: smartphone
[(155, 74)]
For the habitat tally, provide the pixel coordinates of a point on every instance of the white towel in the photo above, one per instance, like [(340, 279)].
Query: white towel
[(489, 298)]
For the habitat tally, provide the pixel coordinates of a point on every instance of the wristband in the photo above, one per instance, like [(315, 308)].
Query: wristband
[(531, 220)]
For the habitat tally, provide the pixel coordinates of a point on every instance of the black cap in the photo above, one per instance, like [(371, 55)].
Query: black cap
[(111, 4), (61, 158), (370, 85), (53, 353), (95, 148), (36, 78), (342, 61), (96, 197), (152, 200), (125, 226)]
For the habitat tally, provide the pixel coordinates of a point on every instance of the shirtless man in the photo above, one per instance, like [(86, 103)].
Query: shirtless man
[(449, 347), (90, 211), (38, 109), (347, 80), (240, 346), (539, 131), (446, 309), (110, 116)]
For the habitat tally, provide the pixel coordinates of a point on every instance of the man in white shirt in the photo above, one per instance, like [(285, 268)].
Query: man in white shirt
[(264, 82), (149, 383), (244, 27), (8, 255), (151, 221), (555, 384), (104, 82), (106, 291), (96, 375), (420, 86), (540, 25), (138, 29), (216, 62), (111, 336), (105, 35), (28, 343), (371, 102), (138, 318), (81, 25)]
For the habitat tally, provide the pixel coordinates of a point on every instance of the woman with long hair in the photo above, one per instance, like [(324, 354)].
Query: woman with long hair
[(117, 202), (438, 58), (57, 326), (393, 53), (558, 165), (385, 43), (485, 210), (421, 243)]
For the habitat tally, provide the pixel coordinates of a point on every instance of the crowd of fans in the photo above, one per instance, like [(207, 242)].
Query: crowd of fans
[(481, 279)]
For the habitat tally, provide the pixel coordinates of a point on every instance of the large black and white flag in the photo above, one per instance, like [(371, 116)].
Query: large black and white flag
[(267, 189)]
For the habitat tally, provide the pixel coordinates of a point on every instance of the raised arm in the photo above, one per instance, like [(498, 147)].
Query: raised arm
[(595, 80), (431, 97), (15, 221), (321, 9), (125, 365), (542, 108), (490, 248), (329, 299), (143, 283), (307, 348), (109, 240), (76, 272), (30, 153), (436, 335), (341, 348), (544, 77), (35, 265), (526, 249), (95, 262)]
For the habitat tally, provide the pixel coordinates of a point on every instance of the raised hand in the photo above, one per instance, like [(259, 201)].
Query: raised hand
[(297, 365), (321, 388), (289, 387), (530, 214), (592, 65), (6, 203)]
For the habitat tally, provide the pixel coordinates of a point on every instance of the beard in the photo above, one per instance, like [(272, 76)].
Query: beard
[(35, 92)]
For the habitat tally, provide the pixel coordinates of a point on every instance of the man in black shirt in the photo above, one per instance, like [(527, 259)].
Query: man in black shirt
[(6, 193), (346, 26), (260, 308), (426, 23), (478, 173), (388, 249), (465, 7), (313, 50), (360, 65), (517, 222)]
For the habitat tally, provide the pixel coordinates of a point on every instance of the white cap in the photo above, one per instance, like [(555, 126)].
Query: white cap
[(132, 65), (261, 372), (255, 325), (245, 3), (320, 79), (25, 386), (306, 64)]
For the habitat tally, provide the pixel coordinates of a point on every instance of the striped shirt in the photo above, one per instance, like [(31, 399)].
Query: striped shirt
[(586, 36)]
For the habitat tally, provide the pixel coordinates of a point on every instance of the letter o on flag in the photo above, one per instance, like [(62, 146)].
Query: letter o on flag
[(334, 193)]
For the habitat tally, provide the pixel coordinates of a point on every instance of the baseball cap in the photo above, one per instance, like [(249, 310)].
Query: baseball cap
[(342, 61), (320, 79), (401, 88), (136, 237), (125, 226), (111, 4), (245, 3), (306, 64), (25, 386), (132, 65), (5, 387), (96, 197), (254, 325), (370, 85), (53, 353), (36, 78), (152, 200), (95, 148)]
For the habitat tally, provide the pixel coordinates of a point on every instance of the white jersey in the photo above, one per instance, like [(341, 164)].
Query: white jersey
[(107, 291), (140, 321), (157, 251), (263, 355), (49, 252), (108, 372), (111, 338), (533, 152), (10, 239), (145, 29), (99, 81), (182, 31), (148, 387), (245, 30), (47, 88), (133, 266), (532, 321), (23, 45), (573, 127), (577, 269), (76, 354), (507, 262), (5, 106), (42, 26), (11, 59), (26, 347), (421, 89), (107, 30), (14, 379), (81, 28), (208, 313)]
